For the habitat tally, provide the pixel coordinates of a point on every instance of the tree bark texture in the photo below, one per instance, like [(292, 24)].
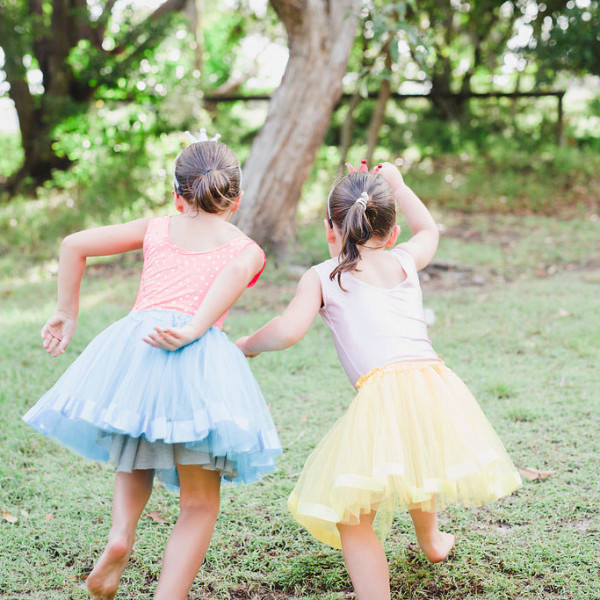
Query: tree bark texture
[(385, 91), (320, 37), (348, 131)]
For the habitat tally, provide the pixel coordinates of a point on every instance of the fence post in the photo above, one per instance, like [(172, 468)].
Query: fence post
[(559, 121)]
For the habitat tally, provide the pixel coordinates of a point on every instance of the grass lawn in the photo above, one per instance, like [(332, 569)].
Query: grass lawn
[(525, 339)]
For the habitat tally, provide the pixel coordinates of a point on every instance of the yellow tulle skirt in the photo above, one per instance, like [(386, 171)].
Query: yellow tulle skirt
[(413, 436)]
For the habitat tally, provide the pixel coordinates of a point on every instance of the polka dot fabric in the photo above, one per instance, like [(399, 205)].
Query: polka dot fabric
[(175, 279)]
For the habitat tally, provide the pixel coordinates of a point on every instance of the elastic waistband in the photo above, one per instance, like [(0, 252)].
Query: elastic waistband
[(397, 368)]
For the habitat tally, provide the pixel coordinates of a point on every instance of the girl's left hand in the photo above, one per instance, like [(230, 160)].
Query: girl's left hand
[(57, 332), (171, 338)]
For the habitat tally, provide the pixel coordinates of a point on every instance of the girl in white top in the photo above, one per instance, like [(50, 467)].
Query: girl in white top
[(413, 435)]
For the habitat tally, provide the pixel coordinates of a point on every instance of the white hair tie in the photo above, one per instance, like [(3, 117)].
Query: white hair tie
[(363, 199)]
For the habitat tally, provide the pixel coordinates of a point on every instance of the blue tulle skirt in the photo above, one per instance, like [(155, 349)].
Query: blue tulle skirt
[(150, 408)]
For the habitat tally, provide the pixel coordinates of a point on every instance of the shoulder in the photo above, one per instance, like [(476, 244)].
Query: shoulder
[(232, 233), (249, 248), (324, 269), (137, 227), (321, 273), (407, 260), (157, 223), (252, 255)]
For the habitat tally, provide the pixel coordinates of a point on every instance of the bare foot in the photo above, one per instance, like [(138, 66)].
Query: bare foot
[(437, 546), (103, 581)]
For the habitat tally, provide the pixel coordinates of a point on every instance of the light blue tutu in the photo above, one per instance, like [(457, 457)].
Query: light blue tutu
[(201, 400)]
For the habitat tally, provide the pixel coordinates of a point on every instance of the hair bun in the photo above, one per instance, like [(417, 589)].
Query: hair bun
[(209, 176)]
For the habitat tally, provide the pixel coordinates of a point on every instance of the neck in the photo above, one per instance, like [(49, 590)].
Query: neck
[(191, 213), (370, 248)]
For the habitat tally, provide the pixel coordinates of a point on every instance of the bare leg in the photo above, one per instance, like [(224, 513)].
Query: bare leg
[(189, 540), (435, 544), (365, 560), (132, 491)]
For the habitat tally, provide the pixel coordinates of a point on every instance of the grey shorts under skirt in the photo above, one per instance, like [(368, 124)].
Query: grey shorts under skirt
[(130, 454)]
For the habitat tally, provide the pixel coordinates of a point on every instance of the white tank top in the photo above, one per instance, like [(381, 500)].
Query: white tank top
[(373, 326)]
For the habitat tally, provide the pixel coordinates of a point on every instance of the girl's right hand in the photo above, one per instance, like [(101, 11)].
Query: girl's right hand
[(57, 333), (241, 344)]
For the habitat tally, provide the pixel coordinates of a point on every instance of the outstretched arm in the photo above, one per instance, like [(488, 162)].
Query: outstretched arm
[(291, 326), (423, 243), (75, 248), (228, 286)]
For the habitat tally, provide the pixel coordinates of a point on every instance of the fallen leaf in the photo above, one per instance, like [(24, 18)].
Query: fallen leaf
[(157, 517), (49, 517), (6, 516), (532, 474)]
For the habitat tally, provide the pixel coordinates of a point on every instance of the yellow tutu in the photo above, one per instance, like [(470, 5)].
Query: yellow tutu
[(413, 435)]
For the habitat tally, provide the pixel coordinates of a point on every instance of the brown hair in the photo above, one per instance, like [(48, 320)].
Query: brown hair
[(356, 222), (208, 176)]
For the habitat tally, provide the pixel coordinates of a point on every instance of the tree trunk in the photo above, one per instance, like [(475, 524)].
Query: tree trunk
[(378, 116), (320, 37), (447, 106), (349, 122), (348, 130)]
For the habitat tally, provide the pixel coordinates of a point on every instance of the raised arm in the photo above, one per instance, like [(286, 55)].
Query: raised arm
[(291, 326), (228, 286), (423, 243), (75, 248)]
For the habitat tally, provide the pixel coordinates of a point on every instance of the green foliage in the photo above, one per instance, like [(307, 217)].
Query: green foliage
[(12, 154), (572, 41), (118, 175), (506, 179)]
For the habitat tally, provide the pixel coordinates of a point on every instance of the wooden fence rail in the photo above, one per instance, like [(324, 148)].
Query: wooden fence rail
[(558, 94)]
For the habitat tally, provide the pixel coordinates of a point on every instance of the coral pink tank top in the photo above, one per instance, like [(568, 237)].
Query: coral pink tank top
[(374, 326), (175, 279)]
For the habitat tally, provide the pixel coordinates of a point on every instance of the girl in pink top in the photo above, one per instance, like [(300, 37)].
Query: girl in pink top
[(413, 435), (163, 391)]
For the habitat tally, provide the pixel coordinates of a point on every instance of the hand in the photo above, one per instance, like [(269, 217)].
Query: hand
[(57, 333), (171, 338), (241, 344), (392, 175)]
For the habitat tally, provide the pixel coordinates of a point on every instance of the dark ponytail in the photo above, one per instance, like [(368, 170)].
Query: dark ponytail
[(209, 176), (362, 206)]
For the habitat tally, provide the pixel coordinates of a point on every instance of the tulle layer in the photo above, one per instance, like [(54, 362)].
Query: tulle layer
[(202, 397), (413, 436)]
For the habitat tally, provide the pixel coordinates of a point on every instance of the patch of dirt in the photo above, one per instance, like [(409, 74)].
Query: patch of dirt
[(582, 525), (494, 527), (440, 275)]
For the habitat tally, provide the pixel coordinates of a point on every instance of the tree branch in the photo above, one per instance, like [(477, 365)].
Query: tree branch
[(290, 13), (167, 7)]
